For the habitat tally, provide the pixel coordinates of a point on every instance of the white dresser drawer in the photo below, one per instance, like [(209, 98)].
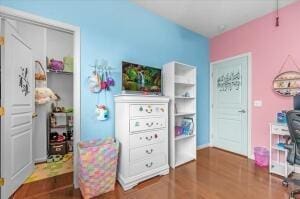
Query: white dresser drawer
[(144, 110), (146, 151), (145, 139), (280, 129), (147, 124), (147, 164)]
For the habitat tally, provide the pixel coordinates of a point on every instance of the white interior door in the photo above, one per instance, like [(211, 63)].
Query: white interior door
[(16, 98), (229, 108)]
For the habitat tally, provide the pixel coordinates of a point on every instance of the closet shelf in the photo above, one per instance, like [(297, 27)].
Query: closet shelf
[(59, 72), (60, 127)]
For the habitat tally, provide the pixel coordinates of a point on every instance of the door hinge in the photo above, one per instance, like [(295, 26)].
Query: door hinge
[(1, 40), (1, 182), (2, 111)]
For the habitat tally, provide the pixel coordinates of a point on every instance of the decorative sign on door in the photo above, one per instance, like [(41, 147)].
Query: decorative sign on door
[(229, 81), (23, 81)]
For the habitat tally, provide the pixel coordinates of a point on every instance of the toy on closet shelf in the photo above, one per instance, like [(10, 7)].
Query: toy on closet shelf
[(44, 95), (56, 65)]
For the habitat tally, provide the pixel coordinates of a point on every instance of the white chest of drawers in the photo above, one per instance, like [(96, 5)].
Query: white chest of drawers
[(141, 127)]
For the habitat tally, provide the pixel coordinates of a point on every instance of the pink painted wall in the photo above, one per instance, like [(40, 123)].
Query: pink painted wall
[(269, 46)]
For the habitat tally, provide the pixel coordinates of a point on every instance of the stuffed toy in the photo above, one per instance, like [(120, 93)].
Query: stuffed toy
[(56, 65), (44, 95), (102, 112)]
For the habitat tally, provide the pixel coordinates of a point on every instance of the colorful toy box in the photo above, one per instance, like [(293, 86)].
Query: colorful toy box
[(97, 166)]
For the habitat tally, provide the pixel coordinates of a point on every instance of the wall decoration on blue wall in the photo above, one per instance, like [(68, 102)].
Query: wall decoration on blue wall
[(101, 80), (229, 81), (23, 81), (133, 34)]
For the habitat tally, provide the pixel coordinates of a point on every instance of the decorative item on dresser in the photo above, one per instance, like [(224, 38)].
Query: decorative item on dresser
[(179, 83), (141, 125)]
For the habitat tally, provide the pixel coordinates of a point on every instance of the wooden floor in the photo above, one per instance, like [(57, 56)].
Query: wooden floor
[(215, 175)]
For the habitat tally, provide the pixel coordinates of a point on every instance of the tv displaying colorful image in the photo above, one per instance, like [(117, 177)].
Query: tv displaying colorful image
[(139, 78)]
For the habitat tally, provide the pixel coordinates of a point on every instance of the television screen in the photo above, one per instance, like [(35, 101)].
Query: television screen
[(139, 78)]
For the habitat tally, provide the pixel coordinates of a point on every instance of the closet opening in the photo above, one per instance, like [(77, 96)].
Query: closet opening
[(52, 135)]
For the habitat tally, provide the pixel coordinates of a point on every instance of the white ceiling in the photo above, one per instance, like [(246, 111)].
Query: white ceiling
[(211, 17)]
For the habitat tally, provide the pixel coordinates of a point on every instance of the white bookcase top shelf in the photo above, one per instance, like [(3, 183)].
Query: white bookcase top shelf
[(184, 114), (185, 83), (181, 97)]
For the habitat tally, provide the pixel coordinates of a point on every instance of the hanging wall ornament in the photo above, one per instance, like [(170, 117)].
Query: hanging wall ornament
[(110, 80), (94, 80), (102, 112), (101, 80), (287, 83)]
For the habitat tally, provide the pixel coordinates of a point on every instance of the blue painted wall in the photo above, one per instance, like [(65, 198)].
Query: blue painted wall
[(120, 30)]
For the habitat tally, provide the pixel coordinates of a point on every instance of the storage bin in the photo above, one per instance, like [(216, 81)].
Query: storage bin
[(57, 148), (261, 155), (97, 166)]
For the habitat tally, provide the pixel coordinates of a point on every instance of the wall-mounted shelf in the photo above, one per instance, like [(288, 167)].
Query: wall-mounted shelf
[(180, 81)]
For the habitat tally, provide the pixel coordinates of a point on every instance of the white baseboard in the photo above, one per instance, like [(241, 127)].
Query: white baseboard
[(203, 146), (251, 157)]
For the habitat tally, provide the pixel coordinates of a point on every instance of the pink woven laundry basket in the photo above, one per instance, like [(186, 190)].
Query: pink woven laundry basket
[(97, 166)]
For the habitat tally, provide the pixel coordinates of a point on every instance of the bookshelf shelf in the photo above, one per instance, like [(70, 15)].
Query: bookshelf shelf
[(180, 137), (179, 81)]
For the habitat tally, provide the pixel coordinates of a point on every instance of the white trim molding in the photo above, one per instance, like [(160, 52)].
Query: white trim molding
[(203, 146), (14, 14), (249, 103)]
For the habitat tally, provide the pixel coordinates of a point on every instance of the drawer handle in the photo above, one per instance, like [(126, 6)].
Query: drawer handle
[(284, 130), (149, 138), (149, 110), (149, 152), (149, 164), (149, 124)]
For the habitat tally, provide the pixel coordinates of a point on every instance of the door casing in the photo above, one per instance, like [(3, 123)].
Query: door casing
[(14, 14), (249, 103)]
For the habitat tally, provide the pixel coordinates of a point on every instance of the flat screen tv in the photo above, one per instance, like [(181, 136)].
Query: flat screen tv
[(138, 78)]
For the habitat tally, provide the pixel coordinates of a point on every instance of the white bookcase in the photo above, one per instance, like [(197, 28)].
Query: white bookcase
[(179, 84), (278, 155)]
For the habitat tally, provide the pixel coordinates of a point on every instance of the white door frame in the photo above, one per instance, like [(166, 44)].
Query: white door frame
[(249, 103), (14, 14)]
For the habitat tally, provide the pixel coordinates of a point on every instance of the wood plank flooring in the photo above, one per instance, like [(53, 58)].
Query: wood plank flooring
[(215, 175)]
